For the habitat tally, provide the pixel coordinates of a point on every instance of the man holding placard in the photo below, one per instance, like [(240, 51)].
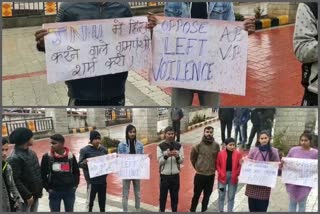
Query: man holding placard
[(97, 184), (130, 146), (170, 156), (203, 158), (199, 10), (106, 90)]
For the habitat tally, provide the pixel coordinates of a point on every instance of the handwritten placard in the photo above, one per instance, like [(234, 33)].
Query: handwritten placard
[(259, 173), (208, 55), (83, 49), (299, 171), (134, 166), (102, 165)]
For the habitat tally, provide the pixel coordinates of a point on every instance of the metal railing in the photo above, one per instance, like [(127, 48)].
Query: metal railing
[(37, 125), (38, 8)]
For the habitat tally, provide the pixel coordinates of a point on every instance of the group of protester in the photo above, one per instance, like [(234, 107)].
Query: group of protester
[(59, 174)]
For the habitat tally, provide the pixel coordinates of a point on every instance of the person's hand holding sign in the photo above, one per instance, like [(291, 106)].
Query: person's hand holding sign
[(39, 37), (249, 25)]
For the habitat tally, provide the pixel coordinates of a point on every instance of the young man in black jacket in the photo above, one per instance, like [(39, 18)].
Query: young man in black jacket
[(107, 90), (97, 184), (60, 174), (26, 169)]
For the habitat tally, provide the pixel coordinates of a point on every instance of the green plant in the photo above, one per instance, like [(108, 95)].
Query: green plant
[(258, 12), (109, 142), (239, 17), (197, 119), (279, 143)]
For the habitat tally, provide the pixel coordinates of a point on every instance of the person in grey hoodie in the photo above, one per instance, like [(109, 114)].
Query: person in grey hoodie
[(170, 156), (305, 42), (203, 158)]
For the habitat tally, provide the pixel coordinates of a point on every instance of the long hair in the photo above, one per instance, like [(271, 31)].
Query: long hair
[(269, 142), (129, 128), (307, 135)]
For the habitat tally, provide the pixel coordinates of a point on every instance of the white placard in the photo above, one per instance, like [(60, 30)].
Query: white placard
[(102, 165), (207, 55), (261, 173), (299, 171), (133, 166), (76, 50)]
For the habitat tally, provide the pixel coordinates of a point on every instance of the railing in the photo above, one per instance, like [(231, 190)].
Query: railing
[(16, 9), (35, 125)]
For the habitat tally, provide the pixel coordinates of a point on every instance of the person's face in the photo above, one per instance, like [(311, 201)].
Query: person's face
[(208, 133), (96, 142), (305, 142), (264, 139), (56, 146), (5, 151), (231, 146), (309, 127), (169, 136), (132, 134)]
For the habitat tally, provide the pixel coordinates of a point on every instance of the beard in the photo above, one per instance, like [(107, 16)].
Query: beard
[(208, 139)]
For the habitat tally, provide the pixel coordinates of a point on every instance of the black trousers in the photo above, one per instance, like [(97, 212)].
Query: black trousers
[(176, 128), (202, 183), (101, 190), (223, 125), (169, 183), (256, 205), (115, 101), (254, 130), (309, 99)]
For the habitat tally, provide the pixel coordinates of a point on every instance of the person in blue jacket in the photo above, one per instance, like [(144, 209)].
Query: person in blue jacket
[(131, 146), (200, 10)]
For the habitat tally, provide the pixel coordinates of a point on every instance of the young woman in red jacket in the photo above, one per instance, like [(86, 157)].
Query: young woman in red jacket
[(228, 167)]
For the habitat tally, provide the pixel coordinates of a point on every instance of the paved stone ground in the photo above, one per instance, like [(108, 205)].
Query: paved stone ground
[(278, 201), (268, 77)]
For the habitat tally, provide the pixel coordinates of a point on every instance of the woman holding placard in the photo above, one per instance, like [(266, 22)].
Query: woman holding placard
[(258, 196), (298, 195)]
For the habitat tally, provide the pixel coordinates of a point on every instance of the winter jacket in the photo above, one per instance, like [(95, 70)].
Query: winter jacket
[(216, 10), (203, 158), (305, 42), (9, 189), (60, 173), (222, 166), (90, 151), (169, 165), (101, 87), (123, 147), (26, 172)]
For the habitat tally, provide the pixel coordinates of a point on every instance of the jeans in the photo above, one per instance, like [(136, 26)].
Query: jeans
[(301, 205), (169, 183), (125, 193), (241, 131), (232, 189), (202, 183), (26, 208), (176, 127), (55, 198), (182, 97)]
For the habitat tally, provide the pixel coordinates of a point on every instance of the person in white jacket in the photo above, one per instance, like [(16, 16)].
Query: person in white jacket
[(170, 156)]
